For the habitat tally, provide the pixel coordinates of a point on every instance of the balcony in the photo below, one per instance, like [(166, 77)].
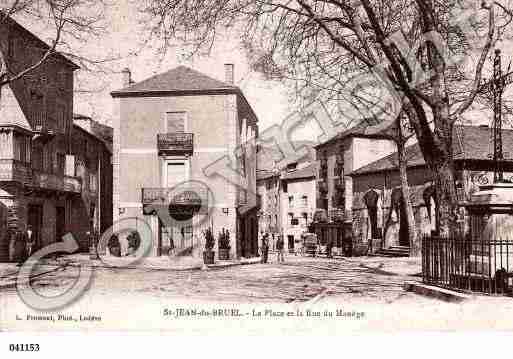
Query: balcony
[(336, 215), (182, 198), (17, 171), (175, 143), (41, 180)]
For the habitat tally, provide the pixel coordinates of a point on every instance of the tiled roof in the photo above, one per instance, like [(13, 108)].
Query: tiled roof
[(469, 143), (178, 79), (363, 129), (305, 172), (268, 155)]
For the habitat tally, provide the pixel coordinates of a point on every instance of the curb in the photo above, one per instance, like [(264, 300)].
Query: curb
[(446, 295), (178, 269), (227, 265)]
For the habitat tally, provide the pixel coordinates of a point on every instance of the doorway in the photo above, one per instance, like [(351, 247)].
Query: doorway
[(404, 239), (290, 240), (35, 220), (60, 223)]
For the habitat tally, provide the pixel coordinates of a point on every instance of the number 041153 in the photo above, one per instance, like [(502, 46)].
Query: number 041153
[(24, 347)]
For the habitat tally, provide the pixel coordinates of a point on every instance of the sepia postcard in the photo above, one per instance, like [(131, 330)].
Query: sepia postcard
[(269, 166)]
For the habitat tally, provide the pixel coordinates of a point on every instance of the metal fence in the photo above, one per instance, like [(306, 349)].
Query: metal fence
[(484, 266)]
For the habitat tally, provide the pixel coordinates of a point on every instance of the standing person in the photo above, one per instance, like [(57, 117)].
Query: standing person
[(171, 247), (265, 247), (329, 246), (30, 239), (279, 248), (20, 246)]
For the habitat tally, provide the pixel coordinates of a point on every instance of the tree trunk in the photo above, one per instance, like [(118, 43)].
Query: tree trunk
[(405, 191), (446, 198)]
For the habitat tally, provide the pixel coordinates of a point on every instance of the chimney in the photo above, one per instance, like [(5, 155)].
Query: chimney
[(228, 74), (126, 77)]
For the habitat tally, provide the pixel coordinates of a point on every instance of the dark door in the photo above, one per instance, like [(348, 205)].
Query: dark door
[(35, 220), (403, 227), (254, 237), (60, 223), (290, 240)]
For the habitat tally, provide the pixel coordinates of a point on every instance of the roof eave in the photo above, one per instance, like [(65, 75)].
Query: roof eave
[(351, 135), (389, 169), (162, 93)]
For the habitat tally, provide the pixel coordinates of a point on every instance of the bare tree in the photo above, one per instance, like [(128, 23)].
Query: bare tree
[(428, 55), (70, 23)]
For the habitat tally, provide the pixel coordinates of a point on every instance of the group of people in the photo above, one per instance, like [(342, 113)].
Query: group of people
[(280, 244)]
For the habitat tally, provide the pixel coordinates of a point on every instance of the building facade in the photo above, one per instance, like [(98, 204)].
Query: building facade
[(337, 158), (37, 179), (93, 165), (182, 143), (269, 214), (378, 215), (298, 201)]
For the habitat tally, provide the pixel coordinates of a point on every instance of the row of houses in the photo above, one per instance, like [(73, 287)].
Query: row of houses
[(163, 162), (359, 175), (354, 178), (181, 145), (288, 198), (55, 167)]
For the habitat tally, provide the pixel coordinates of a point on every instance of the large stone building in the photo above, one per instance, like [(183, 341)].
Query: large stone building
[(37, 176), (175, 136), (378, 217), (338, 157), (287, 194)]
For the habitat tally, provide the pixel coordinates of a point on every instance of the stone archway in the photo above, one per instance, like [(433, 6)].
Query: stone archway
[(396, 228)]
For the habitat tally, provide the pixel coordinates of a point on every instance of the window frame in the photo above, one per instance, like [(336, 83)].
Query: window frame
[(166, 161), (185, 120)]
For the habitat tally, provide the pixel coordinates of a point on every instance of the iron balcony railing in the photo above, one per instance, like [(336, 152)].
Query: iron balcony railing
[(459, 263), (18, 171), (336, 215), (175, 143), (182, 197)]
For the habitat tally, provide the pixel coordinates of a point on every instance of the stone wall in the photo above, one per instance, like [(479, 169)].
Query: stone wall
[(384, 183)]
